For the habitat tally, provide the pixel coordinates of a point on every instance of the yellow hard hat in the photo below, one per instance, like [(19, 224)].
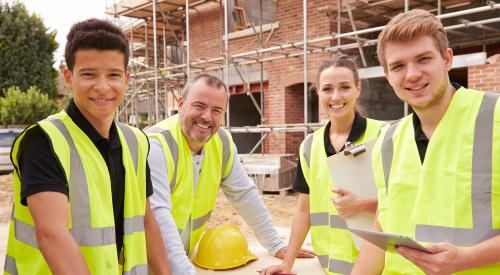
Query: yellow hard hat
[(223, 247)]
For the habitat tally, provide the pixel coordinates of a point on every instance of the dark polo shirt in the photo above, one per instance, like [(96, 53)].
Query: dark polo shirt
[(357, 130), (41, 170)]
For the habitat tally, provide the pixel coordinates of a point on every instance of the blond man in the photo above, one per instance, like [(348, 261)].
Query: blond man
[(438, 170)]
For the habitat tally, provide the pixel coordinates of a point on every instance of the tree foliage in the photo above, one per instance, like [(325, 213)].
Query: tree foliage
[(26, 50), (18, 107)]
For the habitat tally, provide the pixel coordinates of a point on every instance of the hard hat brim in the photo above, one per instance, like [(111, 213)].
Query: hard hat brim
[(249, 258)]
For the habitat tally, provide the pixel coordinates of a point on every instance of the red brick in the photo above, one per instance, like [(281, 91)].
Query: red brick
[(281, 106)]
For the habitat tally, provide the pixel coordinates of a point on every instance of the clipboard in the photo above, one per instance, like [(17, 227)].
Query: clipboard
[(388, 241), (351, 169)]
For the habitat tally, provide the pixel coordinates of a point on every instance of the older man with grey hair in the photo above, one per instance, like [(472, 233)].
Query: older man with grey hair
[(191, 157)]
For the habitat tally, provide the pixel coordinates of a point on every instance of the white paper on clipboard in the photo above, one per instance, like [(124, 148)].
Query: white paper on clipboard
[(354, 173)]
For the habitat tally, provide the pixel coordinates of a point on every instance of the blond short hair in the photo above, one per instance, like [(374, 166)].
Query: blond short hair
[(413, 24)]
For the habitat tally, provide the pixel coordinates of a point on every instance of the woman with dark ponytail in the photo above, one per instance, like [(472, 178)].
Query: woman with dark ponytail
[(318, 208)]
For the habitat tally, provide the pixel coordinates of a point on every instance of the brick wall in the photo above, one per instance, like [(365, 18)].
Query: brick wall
[(484, 77), (205, 33), (281, 104)]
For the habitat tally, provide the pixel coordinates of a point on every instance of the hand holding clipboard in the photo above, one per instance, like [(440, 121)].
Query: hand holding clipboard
[(352, 176)]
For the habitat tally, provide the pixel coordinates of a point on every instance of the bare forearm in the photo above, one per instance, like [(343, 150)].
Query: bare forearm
[(370, 205), (157, 257), (371, 258), (482, 254), (61, 251), (50, 214), (300, 227)]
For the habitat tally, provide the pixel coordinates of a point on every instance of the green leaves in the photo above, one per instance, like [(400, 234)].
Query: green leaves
[(18, 107), (26, 50)]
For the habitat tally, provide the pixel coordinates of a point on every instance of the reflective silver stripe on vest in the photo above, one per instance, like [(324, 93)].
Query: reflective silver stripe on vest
[(388, 153), (132, 143), (324, 218), (333, 265), (482, 163), (199, 222), (186, 238), (307, 149), (323, 260), (226, 150), (172, 145), (25, 233), (82, 231), (85, 236), (154, 130), (180, 231), (337, 222), (10, 265), (174, 150), (319, 219), (132, 225), (481, 187), (339, 266), (137, 270)]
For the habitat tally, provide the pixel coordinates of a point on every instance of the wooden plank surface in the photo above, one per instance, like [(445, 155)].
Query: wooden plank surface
[(302, 266)]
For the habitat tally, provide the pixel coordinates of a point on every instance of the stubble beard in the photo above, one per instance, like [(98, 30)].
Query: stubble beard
[(435, 99)]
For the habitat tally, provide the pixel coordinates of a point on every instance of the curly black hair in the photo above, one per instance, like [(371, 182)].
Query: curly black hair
[(95, 34)]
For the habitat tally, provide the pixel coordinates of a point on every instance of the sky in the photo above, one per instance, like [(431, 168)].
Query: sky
[(60, 15)]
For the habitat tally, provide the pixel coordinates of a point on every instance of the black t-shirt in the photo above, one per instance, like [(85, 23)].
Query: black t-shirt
[(357, 130), (41, 170), (421, 139)]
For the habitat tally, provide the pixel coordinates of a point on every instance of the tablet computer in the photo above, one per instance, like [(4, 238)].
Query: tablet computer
[(388, 241)]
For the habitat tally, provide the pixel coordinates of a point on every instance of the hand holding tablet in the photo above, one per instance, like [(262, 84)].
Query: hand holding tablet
[(388, 241)]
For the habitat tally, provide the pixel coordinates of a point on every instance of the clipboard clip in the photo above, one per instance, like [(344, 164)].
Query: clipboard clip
[(354, 150)]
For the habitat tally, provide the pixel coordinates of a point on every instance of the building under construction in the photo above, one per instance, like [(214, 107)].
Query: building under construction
[(268, 52)]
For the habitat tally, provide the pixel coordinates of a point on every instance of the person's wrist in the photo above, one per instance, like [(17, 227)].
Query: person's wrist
[(287, 265), (370, 205), (464, 259)]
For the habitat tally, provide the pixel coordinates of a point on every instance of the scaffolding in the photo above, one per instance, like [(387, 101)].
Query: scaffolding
[(169, 22)]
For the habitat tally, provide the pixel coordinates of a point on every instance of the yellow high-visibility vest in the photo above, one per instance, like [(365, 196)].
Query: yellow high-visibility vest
[(90, 202), (331, 240), (454, 195), (191, 208)]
